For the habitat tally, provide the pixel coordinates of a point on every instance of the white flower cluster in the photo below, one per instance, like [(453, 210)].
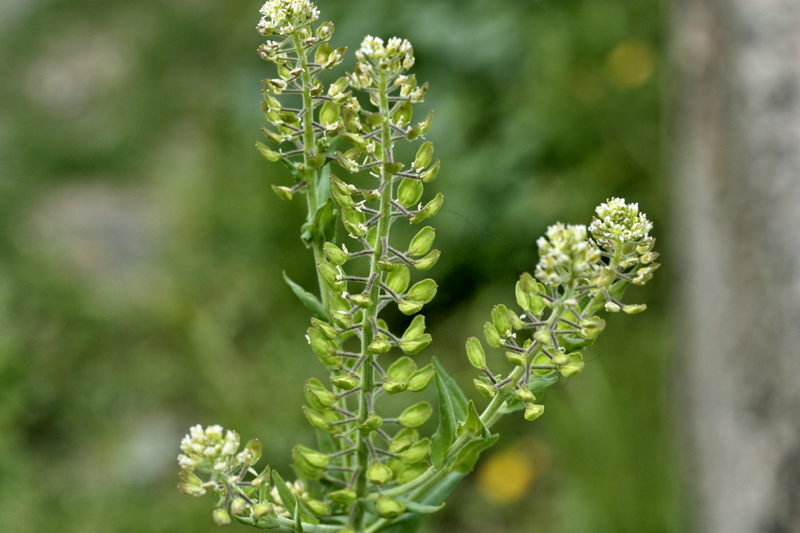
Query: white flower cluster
[(283, 17), (618, 222), (391, 58), (212, 449), (566, 254)]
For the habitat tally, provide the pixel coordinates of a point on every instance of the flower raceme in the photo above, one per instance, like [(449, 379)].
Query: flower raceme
[(376, 469)]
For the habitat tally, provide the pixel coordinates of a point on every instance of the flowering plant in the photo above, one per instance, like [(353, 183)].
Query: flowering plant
[(374, 470)]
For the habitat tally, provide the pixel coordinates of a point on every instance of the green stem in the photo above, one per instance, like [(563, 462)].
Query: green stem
[(310, 176), (365, 407)]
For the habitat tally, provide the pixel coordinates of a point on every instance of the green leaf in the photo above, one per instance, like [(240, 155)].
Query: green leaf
[(411, 522), (422, 508), (309, 300), (291, 503), (469, 455), (452, 407)]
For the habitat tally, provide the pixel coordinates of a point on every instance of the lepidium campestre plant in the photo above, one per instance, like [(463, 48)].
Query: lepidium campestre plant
[(373, 470)]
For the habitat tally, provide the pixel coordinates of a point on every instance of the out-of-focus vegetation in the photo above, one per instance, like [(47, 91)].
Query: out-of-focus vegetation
[(141, 250)]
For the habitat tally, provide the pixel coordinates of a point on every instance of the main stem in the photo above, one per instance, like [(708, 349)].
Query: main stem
[(370, 315)]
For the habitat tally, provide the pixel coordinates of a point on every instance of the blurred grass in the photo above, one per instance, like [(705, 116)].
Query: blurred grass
[(141, 249)]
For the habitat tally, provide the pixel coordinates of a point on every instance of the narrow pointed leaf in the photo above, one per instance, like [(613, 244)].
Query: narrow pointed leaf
[(309, 300)]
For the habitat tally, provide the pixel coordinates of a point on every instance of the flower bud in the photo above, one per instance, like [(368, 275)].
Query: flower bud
[(421, 378), (612, 307), (424, 154), (533, 411), (378, 473), (422, 242), (475, 353), (416, 415), (484, 388), (428, 261), (221, 517), (423, 291), (416, 452), (389, 507), (409, 192)]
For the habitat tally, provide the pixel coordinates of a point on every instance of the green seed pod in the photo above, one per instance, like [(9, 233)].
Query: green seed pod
[(560, 358), (516, 359), (403, 439), (421, 378), (541, 359), (238, 506), (379, 345), (591, 327), (393, 168), (332, 275), (574, 366), (391, 386), (524, 394), (327, 330), (347, 164), (527, 283), (416, 415), (412, 472), (317, 395), (424, 155), (284, 193), (522, 297), (475, 353), (398, 279), (514, 319), (262, 480), (484, 388), (500, 320), (428, 261), (344, 496), (341, 192), (315, 418), (634, 309), (324, 50), (371, 195), (422, 242), (430, 209), (416, 345), (260, 510), (319, 343), (372, 423), (423, 291), (362, 300), (386, 265), (221, 517), (325, 31), (402, 115), (269, 155), (372, 237), (346, 381), (317, 507), (402, 369), (543, 336), (389, 507), (375, 119), (430, 174), (316, 161), (415, 329), (533, 411), (417, 452), (335, 255), (379, 474), (312, 457), (409, 307), (409, 192), (492, 337)]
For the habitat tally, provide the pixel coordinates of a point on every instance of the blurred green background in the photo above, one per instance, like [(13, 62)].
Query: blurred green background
[(141, 251)]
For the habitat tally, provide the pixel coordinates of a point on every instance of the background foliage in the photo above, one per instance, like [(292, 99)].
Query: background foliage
[(141, 250)]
